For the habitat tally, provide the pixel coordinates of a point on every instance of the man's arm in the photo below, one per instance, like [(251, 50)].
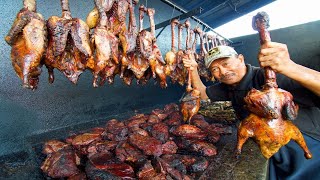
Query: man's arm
[(276, 56), (195, 78)]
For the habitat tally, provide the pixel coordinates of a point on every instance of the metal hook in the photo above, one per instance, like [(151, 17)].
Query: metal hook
[(172, 13)]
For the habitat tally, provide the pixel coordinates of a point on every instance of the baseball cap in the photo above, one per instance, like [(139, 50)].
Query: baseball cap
[(217, 53)]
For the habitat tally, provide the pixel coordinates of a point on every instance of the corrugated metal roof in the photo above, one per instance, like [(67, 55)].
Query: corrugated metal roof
[(219, 12)]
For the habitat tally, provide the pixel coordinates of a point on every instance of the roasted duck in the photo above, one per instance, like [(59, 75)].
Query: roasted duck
[(28, 39), (106, 49), (137, 62), (202, 69), (272, 109), (171, 62), (179, 74), (69, 45), (156, 60), (190, 104), (128, 41)]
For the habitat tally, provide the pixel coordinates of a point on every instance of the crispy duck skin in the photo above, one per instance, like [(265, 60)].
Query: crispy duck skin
[(190, 105), (189, 53), (106, 46), (148, 47), (118, 13), (157, 64), (137, 62), (179, 74), (170, 56), (28, 40), (202, 69), (69, 45), (128, 38), (271, 109)]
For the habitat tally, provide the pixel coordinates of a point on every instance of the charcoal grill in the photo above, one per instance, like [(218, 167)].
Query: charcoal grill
[(250, 165)]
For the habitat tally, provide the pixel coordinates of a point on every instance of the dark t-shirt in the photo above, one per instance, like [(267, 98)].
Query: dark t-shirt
[(308, 119)]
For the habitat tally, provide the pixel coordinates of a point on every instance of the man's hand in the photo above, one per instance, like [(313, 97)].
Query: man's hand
[(190, 62), (276, 56)]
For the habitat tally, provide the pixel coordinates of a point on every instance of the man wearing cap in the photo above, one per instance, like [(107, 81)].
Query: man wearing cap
[(235, 79)]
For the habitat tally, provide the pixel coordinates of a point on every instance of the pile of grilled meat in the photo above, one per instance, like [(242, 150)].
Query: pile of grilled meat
[(146, 146)]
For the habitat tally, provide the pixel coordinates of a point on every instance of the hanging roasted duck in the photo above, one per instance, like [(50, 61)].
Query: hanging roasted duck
[(128, 41), (156, 61), (272, 109), (137, 63), (116, 14), (202, 69), (69, 45), (106, 45), (170, 57), (179, 75), (28, 40), (93, 17), (190, 104)]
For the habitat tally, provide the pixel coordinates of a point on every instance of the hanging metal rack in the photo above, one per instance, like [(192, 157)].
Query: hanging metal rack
[(185, 15)]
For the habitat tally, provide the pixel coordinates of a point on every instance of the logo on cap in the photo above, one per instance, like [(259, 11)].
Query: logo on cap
[(218, 52)]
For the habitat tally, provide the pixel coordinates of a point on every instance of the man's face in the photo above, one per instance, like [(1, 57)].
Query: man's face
[(229, 70)]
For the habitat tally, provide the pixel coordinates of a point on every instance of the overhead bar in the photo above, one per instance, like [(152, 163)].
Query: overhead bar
[(180, 17), (196, 19)]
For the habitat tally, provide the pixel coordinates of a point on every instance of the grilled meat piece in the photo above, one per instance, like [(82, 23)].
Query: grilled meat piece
[(53, 146), (115, 131), (61, 164), (160, 131), (169, 147), (127, 153), (149, 145), (107, 162), (189, 132)]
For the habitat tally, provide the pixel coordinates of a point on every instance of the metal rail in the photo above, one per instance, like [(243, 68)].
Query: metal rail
[(193, 17), (180, 17)]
